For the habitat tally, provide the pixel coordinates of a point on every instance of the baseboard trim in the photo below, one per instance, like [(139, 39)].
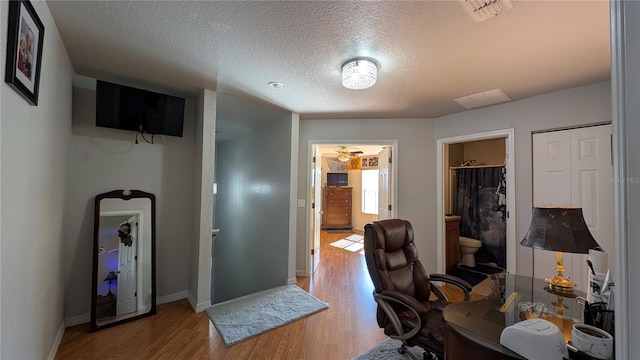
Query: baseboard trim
[(57, 341), (192, 302), (301, 273), (198, 307), (292, 281), (203, 306), (85, 318), (171, 297), (77, 320)]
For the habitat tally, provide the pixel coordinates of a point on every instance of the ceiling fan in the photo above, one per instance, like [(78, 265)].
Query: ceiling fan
[(344, 154)]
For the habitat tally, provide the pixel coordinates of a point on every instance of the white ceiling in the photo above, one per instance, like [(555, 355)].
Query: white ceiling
[(428, 52)]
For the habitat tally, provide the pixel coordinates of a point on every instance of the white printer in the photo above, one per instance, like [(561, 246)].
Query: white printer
[(535, 339)]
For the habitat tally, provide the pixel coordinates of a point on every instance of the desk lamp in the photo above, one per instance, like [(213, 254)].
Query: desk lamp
[(110, 277), (559, 229)]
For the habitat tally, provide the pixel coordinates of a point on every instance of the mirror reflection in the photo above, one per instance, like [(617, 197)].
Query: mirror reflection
[(124, 272)]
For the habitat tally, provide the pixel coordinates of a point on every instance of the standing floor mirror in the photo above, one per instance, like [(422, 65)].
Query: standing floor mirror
[(124, 273)]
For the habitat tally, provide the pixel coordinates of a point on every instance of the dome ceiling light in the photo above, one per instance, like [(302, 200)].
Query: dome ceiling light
[(359, 74)]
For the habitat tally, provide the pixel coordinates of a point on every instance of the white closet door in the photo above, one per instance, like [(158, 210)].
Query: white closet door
[(573, 168), (127, 272), (551, 186), (552, 169), (592, 190)]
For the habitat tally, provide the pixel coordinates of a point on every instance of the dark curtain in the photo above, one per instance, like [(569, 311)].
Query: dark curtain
[(481, 203)]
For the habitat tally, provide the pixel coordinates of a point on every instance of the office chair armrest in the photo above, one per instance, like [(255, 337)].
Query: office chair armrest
[(465, 286), (387, 297)]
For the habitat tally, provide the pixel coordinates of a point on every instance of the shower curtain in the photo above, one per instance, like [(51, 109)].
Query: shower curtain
[(481, 204)]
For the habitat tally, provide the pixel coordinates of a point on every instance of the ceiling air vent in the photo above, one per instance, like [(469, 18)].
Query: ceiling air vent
[(484, 9), (486, 98)]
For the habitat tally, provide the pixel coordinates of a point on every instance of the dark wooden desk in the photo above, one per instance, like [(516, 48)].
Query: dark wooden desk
[(475, 326)]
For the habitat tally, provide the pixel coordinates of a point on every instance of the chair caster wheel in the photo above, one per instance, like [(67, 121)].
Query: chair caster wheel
[(430, 356)]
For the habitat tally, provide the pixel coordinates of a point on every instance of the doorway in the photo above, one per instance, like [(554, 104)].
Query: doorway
[(363, 155), (444, 203)]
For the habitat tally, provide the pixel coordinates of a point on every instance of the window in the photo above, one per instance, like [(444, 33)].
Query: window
[(370, 191)]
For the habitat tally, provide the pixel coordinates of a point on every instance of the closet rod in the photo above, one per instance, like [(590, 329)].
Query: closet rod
[(474, 167)]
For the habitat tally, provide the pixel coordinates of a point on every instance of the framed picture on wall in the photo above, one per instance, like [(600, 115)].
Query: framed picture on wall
[(355, 164), (25, 39), (369, 161)]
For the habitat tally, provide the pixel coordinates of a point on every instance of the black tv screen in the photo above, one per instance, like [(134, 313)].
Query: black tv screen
[(337, 179), (128, 108)]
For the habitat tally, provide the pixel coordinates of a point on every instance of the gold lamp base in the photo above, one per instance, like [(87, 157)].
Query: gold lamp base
[(559, 283)]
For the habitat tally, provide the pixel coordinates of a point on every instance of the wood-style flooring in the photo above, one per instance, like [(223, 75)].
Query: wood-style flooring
[(345, 330)]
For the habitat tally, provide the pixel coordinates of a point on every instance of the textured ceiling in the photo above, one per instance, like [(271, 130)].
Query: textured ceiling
[(428, 52)]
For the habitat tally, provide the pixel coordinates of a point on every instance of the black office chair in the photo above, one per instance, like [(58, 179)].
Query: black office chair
[(403, 288)]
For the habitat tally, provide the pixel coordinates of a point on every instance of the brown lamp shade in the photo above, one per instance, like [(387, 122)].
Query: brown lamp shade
[(559, 229)]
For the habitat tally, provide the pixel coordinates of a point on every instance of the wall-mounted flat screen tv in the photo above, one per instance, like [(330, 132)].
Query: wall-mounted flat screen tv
[(337, 179), (128, 108)]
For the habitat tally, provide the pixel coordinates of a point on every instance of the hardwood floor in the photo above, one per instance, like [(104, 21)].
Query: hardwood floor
[(345, 330)]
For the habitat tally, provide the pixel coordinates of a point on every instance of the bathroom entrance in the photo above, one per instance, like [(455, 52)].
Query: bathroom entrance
[(476, 230)]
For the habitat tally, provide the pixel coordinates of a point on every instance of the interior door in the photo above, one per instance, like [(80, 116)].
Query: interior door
[(316, 206), (573, 168), (591, 174), (384, 184), (127, 257)]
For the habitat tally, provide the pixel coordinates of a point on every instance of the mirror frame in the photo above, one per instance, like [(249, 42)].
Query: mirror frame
[(124, 195)]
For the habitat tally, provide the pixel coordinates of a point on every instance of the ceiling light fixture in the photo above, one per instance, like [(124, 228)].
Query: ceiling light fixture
[(343, 154), (358, 74), (275, 85)]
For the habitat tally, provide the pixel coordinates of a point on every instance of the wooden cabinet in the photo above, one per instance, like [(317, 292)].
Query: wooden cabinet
[(105, 305), (453, 241), (336, 208)]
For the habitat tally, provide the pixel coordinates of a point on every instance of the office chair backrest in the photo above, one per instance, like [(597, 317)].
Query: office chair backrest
[(392, 258)]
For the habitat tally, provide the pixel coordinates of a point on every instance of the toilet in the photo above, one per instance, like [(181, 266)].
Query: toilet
[(468, 248)]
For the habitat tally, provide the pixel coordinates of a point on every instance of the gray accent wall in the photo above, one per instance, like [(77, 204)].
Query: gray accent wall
[(252, 210)]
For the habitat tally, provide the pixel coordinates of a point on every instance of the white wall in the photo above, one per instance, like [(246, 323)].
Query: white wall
[(582, 105), (108, 159), (416, 183), (201, 248), (35, 168)]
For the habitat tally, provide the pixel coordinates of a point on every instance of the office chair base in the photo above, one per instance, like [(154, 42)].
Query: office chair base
[(431, 356), (404, 349)]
